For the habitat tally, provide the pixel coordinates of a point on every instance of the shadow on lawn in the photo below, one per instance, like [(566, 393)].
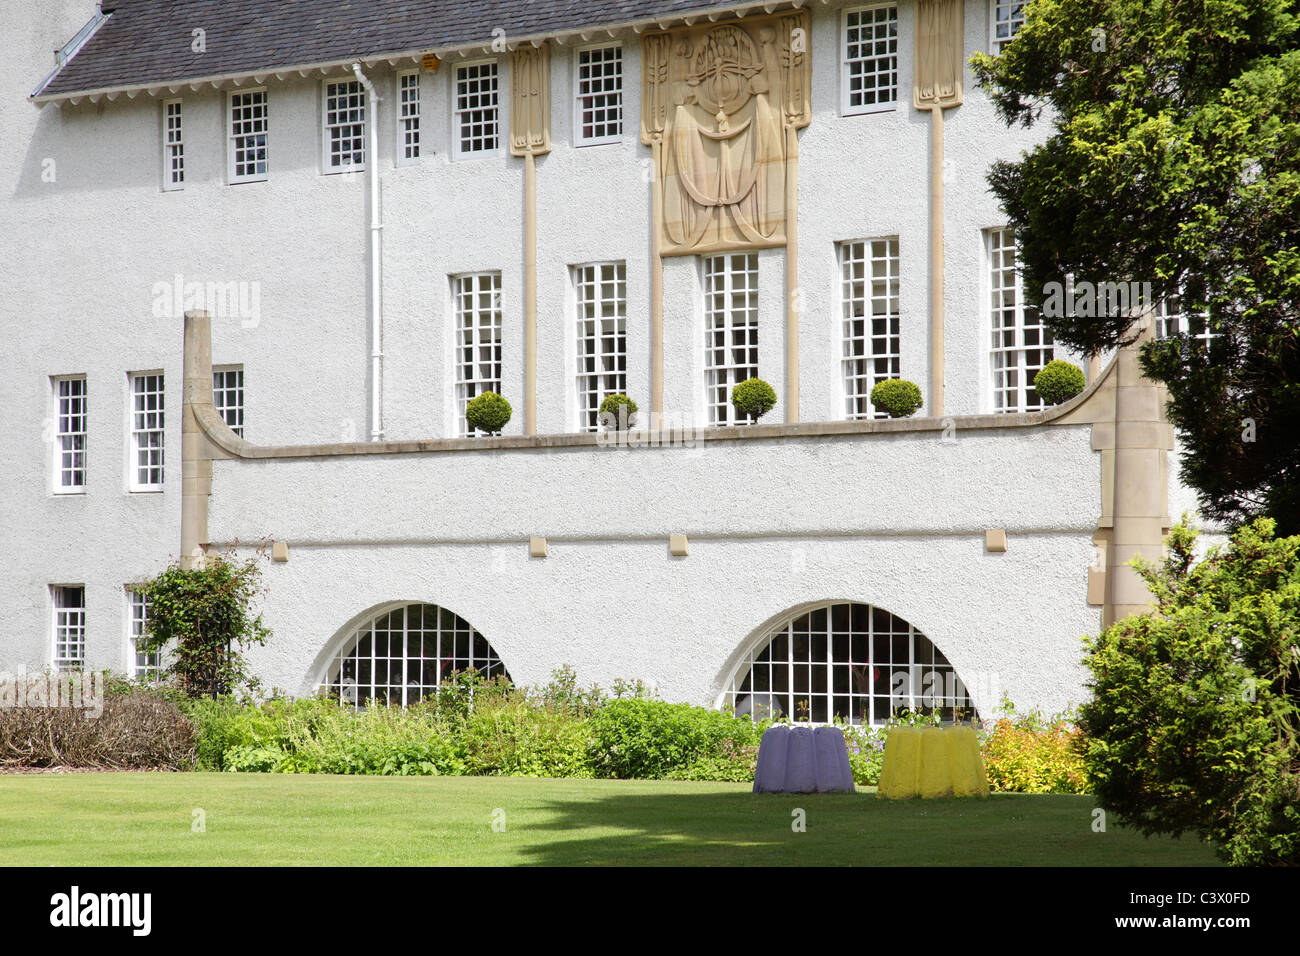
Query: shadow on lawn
[(711, 828)]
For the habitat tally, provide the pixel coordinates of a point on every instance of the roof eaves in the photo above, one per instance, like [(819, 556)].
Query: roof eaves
[(740, 8), (63, 56)]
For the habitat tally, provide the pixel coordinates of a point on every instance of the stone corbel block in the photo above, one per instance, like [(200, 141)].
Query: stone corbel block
[(995, 540), (538, 548), (678, 547)]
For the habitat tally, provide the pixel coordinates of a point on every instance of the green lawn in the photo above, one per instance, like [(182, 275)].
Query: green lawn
[(123, 819)]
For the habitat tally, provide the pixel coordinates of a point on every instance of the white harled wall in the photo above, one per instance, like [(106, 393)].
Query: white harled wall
[(82, 250)]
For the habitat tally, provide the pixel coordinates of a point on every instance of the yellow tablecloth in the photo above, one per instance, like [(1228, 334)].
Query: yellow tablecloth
[(932, 762)]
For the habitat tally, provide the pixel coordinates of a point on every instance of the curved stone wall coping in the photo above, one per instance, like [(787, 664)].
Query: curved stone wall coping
[(1078, 411)]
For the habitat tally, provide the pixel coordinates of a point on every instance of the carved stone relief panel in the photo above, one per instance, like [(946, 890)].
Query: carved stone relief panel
[(720, 106), (530, 100), (940, 65)]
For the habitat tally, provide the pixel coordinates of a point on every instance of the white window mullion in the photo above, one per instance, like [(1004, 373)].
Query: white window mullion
[(408, 117), (477, 128), (228, 397), (870, 301), (173, 146), (249, 131), (477, 302), (869, 60), (147, 431), (1021, 344), (1005, 20), (344, 136), (69, 626), (142, 664), (731, 331), (598, 115), (70, 440), (601, 296)]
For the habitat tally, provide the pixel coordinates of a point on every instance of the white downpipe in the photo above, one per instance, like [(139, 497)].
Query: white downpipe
[(376, 284)]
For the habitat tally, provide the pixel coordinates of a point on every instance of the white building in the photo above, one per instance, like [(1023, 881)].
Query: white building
[(658, 198)]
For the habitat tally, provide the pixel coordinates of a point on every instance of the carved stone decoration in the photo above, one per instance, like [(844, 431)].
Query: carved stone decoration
[(940, 65), (717, 103), (530, 100)]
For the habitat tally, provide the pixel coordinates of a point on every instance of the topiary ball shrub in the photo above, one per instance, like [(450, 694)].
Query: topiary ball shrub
[(488, 412), (753, 398), (1059, 382), (897, 397), (617, 412)]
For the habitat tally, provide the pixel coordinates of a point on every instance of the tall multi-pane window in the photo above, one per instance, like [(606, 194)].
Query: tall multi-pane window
[(477, 301), (408, 116), (70, 441), (173, 146), (731, 331), (1006, 18), (600, 95), (478, 115), (146, 664), (69, 626), (1021, 344), (601, 295), (228, 397), (869, 302), (147, 431), (1173, 318), (869, 69), (249, 126), (345, 126)]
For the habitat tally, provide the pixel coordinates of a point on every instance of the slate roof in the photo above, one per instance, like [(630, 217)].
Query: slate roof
[(148, 42)]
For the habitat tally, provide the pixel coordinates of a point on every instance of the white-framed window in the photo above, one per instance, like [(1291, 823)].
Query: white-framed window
[(869, 306), (1006, 17), (249, 129), (598, 87), (69, 602), (143, 664), (852, 662), (228, 396), (70, 437), (869, 64), (601, 296), (147, 431), (401, 656), (408, 117), (476, 298), (173, 146), (477, 127), (730, 329), (1172, 318), (1021, 344), (344, 130)]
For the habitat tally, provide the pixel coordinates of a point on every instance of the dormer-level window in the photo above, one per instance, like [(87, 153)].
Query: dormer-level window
[(408, 117), (477, 129), (173, 146), (249, 126), (599, 90), (1006, 19), (869, 65), (345, 126)]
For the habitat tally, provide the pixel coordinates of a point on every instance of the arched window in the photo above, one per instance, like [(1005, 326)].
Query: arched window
[(853, 662), (403, 654)]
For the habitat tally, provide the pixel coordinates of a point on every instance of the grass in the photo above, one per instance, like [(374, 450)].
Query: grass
[(126, 819)]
